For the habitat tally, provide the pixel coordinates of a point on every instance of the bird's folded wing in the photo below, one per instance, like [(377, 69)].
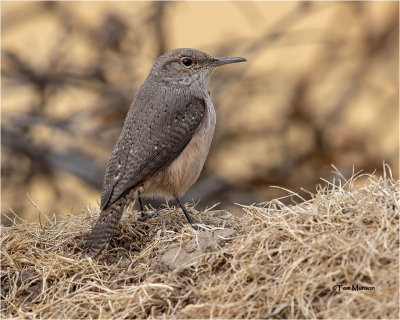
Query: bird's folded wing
[(148, 145)]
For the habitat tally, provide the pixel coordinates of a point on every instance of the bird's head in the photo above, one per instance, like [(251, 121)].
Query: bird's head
[(187, 66)]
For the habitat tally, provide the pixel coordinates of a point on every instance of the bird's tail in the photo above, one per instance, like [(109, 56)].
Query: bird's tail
[(104, 228)]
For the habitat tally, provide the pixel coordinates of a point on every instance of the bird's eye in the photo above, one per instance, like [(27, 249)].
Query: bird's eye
[(187, 61)]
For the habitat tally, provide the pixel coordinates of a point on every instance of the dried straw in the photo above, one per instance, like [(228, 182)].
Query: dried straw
[(276, 261)]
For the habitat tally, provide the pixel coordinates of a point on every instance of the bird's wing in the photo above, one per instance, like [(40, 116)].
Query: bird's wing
[(151, 138)]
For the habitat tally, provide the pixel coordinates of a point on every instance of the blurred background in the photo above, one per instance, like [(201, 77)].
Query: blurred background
[(320, 87)]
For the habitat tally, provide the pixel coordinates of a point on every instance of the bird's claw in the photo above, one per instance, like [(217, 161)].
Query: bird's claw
[(145, 216), (198, 227)]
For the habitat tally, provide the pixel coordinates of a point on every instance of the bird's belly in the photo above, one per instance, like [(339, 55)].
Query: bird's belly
[(175, 179)]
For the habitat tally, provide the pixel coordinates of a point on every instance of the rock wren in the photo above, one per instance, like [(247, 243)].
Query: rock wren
[(164, 141)]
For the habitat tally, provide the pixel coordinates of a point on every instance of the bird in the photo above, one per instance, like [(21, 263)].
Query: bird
[(164, 141)]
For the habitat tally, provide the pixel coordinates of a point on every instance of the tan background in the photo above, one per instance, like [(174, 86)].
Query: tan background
[(320, 87)]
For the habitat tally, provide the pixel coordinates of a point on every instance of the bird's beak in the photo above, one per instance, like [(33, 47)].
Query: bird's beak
[(221, 61)]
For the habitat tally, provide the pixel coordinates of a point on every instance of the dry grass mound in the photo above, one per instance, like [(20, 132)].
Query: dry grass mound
[(335, 256)]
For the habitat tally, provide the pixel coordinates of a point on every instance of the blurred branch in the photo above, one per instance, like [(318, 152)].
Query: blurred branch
[(281, 26), (158, 21), (16, 68), (77, 165)]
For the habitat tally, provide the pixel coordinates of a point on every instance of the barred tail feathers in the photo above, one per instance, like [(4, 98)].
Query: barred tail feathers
[(104, 228)]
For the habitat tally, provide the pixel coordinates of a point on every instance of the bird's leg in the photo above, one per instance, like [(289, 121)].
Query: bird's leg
[(140, 204), (188, 217), (144, 216)]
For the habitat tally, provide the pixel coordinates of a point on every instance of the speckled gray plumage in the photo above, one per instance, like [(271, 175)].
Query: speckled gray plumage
[(157, 128)]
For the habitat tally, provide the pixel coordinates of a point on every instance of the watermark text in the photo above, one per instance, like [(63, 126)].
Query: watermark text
[(353, 287)]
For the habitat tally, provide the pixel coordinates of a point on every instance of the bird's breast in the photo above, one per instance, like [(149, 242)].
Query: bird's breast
[(176, 179)]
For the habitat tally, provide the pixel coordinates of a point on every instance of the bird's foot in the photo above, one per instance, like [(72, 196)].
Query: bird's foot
[(198, 227), (145, 216)]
